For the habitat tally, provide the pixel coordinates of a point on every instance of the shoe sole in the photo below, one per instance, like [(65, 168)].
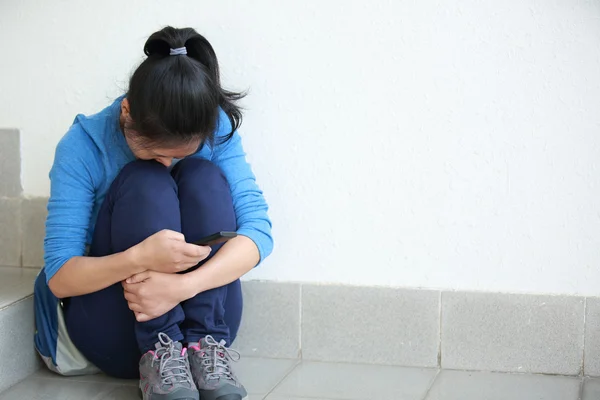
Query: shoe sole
[(231, 397), (174, 396)]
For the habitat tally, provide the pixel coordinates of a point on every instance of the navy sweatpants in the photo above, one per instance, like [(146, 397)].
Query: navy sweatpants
[(145, 198)]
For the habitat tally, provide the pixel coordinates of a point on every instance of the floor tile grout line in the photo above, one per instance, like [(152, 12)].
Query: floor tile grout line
[(581, 383), (529, 373), (437, 374), (289, 372), (366, 364), (17, 302)]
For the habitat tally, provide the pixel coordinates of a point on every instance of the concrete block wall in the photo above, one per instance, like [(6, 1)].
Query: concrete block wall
[(503, 332), (22, 219), (33, 229), (10, 198)]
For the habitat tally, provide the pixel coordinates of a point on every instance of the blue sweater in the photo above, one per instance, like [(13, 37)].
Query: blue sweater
[(91, 155)]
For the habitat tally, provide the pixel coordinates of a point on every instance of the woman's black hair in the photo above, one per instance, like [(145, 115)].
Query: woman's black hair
[(176, 98)]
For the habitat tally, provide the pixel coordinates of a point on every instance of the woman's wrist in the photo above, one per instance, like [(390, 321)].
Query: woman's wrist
[(193, 283), (134, 260)]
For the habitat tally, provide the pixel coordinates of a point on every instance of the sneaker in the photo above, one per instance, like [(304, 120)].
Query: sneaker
[(165, 372), (210, 362)]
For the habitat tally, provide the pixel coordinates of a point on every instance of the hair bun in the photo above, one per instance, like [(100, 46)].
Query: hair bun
[(156, 47), (161, 42)]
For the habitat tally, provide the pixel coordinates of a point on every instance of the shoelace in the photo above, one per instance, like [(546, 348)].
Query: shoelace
[(217, 357), (172, 367)]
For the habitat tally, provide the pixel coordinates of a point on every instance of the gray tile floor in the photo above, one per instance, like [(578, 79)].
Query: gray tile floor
[(276, 379)]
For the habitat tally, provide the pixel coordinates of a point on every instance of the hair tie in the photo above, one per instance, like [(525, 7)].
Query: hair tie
[(180, 51)]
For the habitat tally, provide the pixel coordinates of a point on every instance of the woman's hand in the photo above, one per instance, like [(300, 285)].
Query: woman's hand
[(151, 294), (167, 251)]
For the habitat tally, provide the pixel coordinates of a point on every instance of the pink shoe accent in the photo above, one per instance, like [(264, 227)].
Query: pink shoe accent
[(195, 348), (153, 353), (183, 351)]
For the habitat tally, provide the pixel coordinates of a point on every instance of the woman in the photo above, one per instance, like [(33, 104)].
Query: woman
[(131, 188)]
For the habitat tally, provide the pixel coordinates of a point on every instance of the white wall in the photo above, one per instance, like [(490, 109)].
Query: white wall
[(445, 144)]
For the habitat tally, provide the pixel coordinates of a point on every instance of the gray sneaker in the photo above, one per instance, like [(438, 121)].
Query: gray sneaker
[(165, 372), (210, 362)]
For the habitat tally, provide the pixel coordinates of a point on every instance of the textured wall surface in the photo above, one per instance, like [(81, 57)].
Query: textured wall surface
[(440, 144)]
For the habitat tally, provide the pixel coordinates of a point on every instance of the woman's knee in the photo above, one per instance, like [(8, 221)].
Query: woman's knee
[(205, 199), (142, 201), (143, 177), (199, 172)]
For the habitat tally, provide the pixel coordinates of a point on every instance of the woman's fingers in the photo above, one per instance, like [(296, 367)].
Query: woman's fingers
[(193, 251), (141, 317), (173, 235), (135, 307), (137, 278), (130, 297)]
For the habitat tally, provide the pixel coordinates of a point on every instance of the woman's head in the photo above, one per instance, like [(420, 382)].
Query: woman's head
[(172, 105)]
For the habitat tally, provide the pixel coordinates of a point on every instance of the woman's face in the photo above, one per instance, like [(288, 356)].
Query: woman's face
[(143, 150), (163, 155)]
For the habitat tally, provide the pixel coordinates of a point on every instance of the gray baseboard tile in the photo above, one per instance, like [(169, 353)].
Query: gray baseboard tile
[(592, 337), (10, 163), (370, 325), (10, 232), (512, 332), (271, 320), (33, 225)]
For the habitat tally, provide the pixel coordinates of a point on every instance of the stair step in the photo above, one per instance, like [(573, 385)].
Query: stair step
[(18, 358)]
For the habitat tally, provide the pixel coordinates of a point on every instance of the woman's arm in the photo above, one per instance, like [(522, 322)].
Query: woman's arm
[(236, 258), (83, 275), (165, 251), (159, 292), (74, 176), (248, 200), (254, 243)]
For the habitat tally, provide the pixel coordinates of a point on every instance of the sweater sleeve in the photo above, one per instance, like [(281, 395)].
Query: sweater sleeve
[(71, 200), (248, 201)]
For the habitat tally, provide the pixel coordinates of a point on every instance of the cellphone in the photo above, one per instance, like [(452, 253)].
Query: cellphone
[(215, 238)]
